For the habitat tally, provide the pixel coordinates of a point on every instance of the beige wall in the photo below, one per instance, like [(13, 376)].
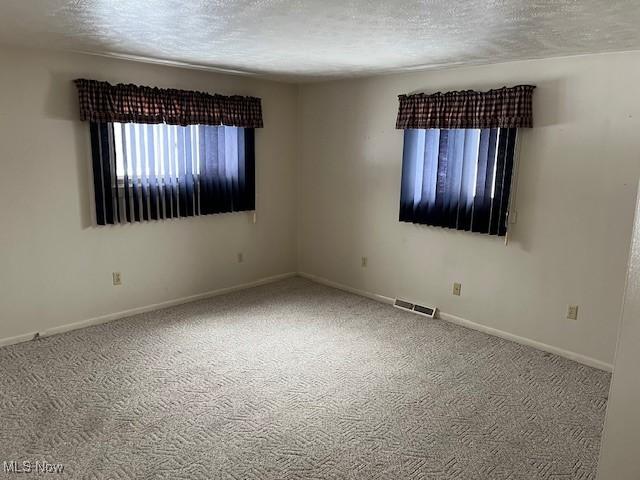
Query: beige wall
[(578, 172), (578, 169), (619, 452), (55, 268)]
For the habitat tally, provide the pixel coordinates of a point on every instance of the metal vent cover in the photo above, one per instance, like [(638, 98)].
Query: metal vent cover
[(415, 308), (403, 304), (422, 310)]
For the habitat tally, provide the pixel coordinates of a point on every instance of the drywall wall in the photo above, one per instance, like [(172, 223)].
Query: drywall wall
[(574, 201), (577, 177), (55, 266), (619, 452)]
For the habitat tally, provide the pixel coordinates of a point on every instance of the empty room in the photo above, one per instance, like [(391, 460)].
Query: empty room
[(354, 239)]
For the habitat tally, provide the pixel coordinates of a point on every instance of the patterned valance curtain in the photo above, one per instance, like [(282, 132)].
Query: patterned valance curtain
[(499, 108), (103, 102)]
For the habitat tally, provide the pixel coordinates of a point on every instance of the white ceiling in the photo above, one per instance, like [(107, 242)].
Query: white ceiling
[(302, 40)]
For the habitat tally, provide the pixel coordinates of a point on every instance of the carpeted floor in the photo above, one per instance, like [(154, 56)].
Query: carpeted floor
[(294, 380)]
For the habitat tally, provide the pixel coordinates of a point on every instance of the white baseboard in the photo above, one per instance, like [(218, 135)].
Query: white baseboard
[(346, 288), (146, 308), (577, 357), (591, 362), (25, 337)]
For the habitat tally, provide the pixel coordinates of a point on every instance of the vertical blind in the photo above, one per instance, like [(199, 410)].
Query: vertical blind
[(158, 171), (458, 178)]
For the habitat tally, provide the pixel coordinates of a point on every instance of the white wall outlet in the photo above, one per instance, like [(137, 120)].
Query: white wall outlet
[(240, 257), (572, 312), (117, 278), (364, 262), (457, 289)]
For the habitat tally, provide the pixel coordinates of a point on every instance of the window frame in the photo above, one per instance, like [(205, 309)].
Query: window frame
[(144, 196), (447, 202)]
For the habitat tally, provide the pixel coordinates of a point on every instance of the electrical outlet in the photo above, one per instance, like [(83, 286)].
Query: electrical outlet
[(240, 257), (364, 262), (457, 288), (572, 312), (117, 278)]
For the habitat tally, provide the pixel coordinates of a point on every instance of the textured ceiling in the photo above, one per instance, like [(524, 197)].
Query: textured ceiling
[(302, 40)]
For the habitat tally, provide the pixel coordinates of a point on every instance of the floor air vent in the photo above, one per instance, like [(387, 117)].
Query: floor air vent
[(402, 304), (415, 308), (426, 311)]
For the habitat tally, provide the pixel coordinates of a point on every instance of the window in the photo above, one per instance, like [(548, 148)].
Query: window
[(458, 178), (157, 171), (165, 153)]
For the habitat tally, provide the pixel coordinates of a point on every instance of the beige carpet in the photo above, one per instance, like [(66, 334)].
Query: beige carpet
[(297, 381)]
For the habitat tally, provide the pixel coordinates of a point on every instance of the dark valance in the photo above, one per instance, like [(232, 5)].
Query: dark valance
[(103, 102), (499, 108)]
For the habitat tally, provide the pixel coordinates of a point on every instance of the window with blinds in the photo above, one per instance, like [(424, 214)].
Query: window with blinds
[(458, 178), (157, 171)]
